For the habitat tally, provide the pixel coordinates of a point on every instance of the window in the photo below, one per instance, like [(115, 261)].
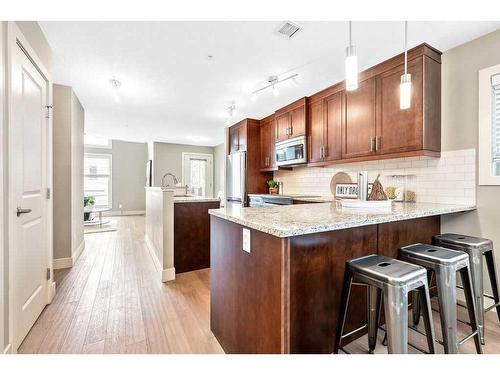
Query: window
[(489, 126), (96, 141), (97, 178), (197, 174)]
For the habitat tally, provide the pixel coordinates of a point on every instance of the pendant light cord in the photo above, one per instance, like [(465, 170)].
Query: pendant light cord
[(406, 47), (350, 33)]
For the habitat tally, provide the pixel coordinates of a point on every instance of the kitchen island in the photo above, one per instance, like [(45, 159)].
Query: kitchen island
[(280, 292)]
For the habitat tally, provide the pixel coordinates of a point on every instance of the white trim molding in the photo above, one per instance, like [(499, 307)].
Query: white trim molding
[(78, 251), (485, 112), (61, 263)]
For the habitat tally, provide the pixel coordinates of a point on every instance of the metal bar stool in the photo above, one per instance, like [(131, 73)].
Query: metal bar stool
[(444, 264), (392, 279), (476, 248)]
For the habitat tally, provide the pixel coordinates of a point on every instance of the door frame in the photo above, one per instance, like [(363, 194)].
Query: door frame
[(16, 39), (210, 158)]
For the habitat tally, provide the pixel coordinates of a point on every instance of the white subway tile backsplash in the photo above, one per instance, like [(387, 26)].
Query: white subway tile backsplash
[(449, 179)]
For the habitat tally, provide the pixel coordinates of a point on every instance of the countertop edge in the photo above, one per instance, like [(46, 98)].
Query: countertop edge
[(340, 225)]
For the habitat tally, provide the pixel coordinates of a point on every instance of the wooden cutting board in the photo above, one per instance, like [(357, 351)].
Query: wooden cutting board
[(339, 178)]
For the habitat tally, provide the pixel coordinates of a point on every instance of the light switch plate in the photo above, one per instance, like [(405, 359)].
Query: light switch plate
[(246, 240)]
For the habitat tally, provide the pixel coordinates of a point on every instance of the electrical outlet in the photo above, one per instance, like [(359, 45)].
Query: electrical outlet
[(246, 240)]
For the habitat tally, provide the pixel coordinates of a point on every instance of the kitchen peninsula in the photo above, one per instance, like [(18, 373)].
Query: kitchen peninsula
[(177, 231), (276, 288)]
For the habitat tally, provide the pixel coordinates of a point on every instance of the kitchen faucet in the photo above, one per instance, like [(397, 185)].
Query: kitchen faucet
[(173, 177)]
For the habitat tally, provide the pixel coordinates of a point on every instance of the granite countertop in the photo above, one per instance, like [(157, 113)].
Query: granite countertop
[(295, 220), (193, 199)]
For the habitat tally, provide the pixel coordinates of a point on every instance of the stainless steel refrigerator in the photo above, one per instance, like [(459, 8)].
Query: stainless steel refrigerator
[(236, 179)]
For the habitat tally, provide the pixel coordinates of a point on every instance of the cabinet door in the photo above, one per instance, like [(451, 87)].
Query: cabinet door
[(242, 138), (333, 126), (298, 122), (272, 141), (265, 144), (233, 139), (316, 131), (282, 126), (399, 130), (359, 126)]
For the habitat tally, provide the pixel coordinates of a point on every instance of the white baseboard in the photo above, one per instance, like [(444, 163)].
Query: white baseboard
[(52, 291), (78, 251), (61, 263), (8, 349), (165, 275), (123, 213), (168, 274)]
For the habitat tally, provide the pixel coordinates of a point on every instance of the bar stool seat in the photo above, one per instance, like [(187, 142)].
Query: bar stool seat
[(476, 248), (445, 264), (393, 279)]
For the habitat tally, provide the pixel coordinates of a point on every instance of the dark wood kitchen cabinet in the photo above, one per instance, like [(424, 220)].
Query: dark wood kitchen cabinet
[(245, 136), (237, 138), (360, 115), (325, 128), (267, 137), (291, 120), (415, 128)]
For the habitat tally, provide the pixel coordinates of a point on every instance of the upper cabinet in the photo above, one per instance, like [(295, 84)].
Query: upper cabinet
[(325, 128), (237, 138), (359, 127), (267, 138), (291, 120), (368, 123)]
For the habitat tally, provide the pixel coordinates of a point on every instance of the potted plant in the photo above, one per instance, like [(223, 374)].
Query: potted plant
[(88, 207), (273, 187)]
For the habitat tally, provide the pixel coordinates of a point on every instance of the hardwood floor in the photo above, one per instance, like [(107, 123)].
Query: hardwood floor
[(112, 301)]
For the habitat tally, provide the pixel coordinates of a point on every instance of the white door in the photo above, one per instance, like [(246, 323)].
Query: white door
[(197, 174), (29, 208)]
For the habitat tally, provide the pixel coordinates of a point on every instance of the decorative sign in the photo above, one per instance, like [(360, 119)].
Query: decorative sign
[(349, 191)]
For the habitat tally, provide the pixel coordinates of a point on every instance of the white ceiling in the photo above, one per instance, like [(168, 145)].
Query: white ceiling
[(172, 92)]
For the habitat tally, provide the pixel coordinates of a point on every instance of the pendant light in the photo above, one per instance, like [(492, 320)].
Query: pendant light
[(405, 87), (351, 64)]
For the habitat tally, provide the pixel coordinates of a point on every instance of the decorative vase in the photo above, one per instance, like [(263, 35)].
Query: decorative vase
[(87, 210), (273, 190)]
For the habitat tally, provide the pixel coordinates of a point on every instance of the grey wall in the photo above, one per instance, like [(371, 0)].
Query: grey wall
[(77, 132), (459, 117), (37, 41), (167, 157), (219, 168), (62, 171), (128, 174), (68, 127)]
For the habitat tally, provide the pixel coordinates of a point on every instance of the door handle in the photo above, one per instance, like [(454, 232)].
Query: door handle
[(21, 211)]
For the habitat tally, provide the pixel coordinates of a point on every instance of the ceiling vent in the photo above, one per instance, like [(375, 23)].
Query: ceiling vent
[(288, 29)]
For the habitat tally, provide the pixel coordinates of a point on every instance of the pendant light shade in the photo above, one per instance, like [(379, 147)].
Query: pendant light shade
[(405, 91), (405, 86), (351, 65)]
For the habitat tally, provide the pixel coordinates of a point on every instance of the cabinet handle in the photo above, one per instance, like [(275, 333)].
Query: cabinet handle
[(325, 152), (291, 130), (377, 143), (371, 144)]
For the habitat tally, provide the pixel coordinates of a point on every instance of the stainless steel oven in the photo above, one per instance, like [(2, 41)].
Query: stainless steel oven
[(291, 152)]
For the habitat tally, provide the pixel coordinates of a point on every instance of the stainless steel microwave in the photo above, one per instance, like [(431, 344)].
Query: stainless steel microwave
[(291, 152)]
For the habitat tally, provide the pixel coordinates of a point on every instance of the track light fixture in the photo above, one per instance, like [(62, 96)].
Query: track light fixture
[(274, 81)]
